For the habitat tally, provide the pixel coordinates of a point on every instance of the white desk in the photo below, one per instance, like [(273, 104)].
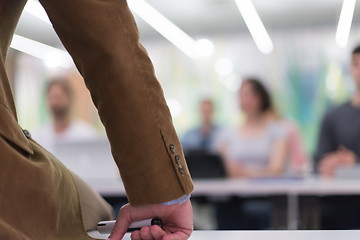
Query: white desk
[(278, 186), (265, 235), (318, 187), (292, 188)]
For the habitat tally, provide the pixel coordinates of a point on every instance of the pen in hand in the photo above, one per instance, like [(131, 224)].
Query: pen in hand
[(105, 227)]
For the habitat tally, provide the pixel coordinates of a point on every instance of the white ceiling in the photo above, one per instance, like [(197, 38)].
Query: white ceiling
[(202, 18)]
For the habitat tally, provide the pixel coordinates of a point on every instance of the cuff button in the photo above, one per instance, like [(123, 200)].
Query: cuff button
[(27, 133), (181, 169), (172, 148)]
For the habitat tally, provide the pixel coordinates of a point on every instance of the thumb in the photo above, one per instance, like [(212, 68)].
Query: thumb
[(122, 223)]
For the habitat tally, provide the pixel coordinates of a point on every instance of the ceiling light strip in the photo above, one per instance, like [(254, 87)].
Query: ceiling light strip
[(150, 15), (39, 50), (164, 26), (255, 26), (345, 21)]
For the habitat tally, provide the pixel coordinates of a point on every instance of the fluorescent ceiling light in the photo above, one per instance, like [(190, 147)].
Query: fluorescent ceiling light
[(155, 19), (167, 29), (35, 9), (204, 48), (255, 26), (345, 20), (53, 57)]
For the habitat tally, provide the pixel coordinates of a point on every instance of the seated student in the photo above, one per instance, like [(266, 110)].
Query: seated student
[(339, 139), (199, 146), (256, 148), (339, 146), (62, 127), (202, 137)]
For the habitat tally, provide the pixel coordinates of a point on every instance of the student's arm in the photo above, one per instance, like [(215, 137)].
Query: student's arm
[(232, 168), (278, 157)]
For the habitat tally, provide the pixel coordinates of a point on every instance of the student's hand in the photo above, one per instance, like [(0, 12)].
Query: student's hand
[(235, 170), (347, 157), (331, 161), (177, 222), (329, 164)]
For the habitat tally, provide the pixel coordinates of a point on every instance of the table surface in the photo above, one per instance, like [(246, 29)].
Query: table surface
[(255, 187), (264, 235)]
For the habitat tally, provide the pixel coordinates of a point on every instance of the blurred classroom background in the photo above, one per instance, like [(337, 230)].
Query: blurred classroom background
[(303, 58)]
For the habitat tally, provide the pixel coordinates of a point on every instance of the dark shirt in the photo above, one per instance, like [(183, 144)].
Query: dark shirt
[(340, 126)]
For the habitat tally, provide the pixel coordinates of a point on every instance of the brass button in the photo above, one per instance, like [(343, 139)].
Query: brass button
[(177, 159), (181, 169), (27, 133), (172, 148)]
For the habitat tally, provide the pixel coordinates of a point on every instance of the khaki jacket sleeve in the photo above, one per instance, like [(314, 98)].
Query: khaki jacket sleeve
[(103, 40)]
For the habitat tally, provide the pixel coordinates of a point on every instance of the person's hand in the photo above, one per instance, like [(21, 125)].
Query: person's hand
[(329, 164), (331, 161), (177, 222), (235, 170), (347, 157)]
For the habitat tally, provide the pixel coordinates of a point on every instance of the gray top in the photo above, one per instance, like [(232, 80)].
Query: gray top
[(251, 150), (340, 126)]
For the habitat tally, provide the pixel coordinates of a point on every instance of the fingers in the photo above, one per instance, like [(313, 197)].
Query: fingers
[(157, 232), (135, 235), (122, 223), (176, 236), (178, 222), (326, 171), (342, 156), (327, 168), (148, 233), (145, 233)]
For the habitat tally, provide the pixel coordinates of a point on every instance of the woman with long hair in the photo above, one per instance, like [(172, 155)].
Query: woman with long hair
[(257, 147)]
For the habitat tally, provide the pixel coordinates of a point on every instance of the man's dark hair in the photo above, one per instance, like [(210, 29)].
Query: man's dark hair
[(261, 91), (356, 50)]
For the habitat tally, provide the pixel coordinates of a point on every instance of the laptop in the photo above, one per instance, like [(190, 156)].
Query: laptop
[(204, 165), (89, 159)]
